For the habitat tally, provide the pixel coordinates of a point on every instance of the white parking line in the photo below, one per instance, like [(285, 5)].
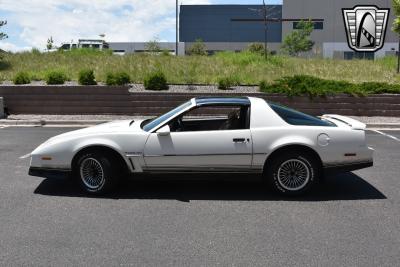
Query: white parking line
[(387, 135), (2, 127), (25, 156)]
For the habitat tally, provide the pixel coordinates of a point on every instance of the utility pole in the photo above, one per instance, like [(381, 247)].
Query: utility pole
[(266, 31), (177, 28), (398, 59)]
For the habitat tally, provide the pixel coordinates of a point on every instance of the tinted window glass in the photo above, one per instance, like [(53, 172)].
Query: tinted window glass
[(298, 118), (165, 117)]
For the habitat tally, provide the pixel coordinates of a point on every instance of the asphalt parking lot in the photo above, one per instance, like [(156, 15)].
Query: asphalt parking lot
[(351, 220)]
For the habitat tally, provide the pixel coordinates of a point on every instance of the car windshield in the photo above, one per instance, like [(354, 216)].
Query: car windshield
[(148, 125), (298, 118)]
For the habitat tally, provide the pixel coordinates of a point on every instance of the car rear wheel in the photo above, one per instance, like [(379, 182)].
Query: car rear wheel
[(293, 173), (96, 173)]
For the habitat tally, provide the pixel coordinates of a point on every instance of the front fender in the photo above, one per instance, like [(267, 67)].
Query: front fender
[(102, 142), (59, 155)]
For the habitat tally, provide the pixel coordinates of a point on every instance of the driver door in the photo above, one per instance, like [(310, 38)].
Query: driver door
[(216, 150)]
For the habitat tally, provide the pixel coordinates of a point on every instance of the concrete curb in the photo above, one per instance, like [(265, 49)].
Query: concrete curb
[(51, 123), (383, 125), (86, 123)]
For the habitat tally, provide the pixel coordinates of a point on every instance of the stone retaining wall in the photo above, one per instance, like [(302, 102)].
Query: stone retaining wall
[(118, 100)]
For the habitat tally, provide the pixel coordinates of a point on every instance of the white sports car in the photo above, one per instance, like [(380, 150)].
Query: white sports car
[(250, 135)]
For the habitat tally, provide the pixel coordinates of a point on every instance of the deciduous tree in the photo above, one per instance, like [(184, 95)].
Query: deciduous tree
[(3, 35), (299, 39), (50, 43)]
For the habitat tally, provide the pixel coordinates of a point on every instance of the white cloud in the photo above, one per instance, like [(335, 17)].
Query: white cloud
[(120, 20), (9, 47)]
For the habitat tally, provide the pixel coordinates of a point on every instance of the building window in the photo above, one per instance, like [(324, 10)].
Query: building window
[(318, 25), (66, 46), (359, 55)]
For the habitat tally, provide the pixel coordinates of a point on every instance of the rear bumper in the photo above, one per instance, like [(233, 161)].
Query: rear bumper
[(347, 167), (49, 173)]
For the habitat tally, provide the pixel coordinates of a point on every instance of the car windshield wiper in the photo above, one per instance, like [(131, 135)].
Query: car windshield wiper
[(130, 124)]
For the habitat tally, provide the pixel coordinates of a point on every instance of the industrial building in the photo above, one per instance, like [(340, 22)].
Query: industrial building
[(234, 27), (229, 27)]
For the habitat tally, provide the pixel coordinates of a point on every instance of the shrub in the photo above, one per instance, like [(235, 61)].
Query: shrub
[(257, 48), (56, 77), (306, 85), (86, 77), (119, 78), (156, 81), (379, 88), (153, 46), (22, 78), (313, 87), (198, 49), (36, 51), (165, 53), (227, 83)]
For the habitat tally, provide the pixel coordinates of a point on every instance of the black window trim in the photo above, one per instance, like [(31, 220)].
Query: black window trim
[(247, 125)]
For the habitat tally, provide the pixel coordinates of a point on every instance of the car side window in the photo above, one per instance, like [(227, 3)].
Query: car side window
[(295, 117), (212, 118)]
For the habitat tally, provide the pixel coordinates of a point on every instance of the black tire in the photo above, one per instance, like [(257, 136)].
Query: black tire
[(293, 173), (96, 173)]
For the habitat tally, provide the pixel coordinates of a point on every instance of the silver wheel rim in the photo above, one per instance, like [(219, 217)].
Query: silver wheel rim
[(92, 174), (293, 175)]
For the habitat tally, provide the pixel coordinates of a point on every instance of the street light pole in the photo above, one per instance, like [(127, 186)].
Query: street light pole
[(266, 32), (398, 59), (177, 29)]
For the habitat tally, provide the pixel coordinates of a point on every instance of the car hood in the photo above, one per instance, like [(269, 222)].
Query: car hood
[(110, 127)]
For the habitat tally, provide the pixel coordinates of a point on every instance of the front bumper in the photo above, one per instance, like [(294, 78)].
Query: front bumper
[(50, 173), (348, 167)]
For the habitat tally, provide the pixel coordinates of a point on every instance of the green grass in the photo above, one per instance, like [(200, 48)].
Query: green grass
[(248, 68)]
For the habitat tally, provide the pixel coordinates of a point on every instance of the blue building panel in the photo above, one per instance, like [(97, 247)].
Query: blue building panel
[(229, 23)]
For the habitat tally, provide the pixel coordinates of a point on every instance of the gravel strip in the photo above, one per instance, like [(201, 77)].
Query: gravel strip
[(208, 89), (137, 88)]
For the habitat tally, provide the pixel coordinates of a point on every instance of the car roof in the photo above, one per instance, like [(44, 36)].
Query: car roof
[(241, 101)]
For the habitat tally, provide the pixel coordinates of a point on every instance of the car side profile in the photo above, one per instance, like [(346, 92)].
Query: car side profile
[(290, 149)]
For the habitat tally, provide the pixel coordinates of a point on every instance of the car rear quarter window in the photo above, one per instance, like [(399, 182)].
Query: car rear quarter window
[(298, 118)]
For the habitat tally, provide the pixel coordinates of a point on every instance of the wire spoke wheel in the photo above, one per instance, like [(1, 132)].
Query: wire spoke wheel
[(92, 174), (293, 175)]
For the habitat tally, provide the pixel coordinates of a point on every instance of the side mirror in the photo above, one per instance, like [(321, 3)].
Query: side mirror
[(164, 131)]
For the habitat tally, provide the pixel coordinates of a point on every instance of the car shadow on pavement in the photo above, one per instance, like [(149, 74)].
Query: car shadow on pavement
[(346, 186)]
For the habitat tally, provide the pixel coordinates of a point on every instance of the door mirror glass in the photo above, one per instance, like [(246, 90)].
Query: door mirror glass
[(164, 131)]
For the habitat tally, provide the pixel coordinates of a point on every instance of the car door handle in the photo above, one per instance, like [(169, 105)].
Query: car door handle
[(241, 140)]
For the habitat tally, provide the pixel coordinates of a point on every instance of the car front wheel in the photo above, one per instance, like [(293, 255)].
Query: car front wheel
[(293, 173), (96, 174)]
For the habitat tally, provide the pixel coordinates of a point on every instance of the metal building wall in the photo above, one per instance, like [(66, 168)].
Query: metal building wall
[(331, 42), (219, 23)]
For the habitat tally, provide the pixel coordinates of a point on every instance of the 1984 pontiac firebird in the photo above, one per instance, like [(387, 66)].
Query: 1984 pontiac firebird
[(290, 149)]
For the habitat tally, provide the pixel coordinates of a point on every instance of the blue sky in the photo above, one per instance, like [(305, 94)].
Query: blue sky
[(32, 22)]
